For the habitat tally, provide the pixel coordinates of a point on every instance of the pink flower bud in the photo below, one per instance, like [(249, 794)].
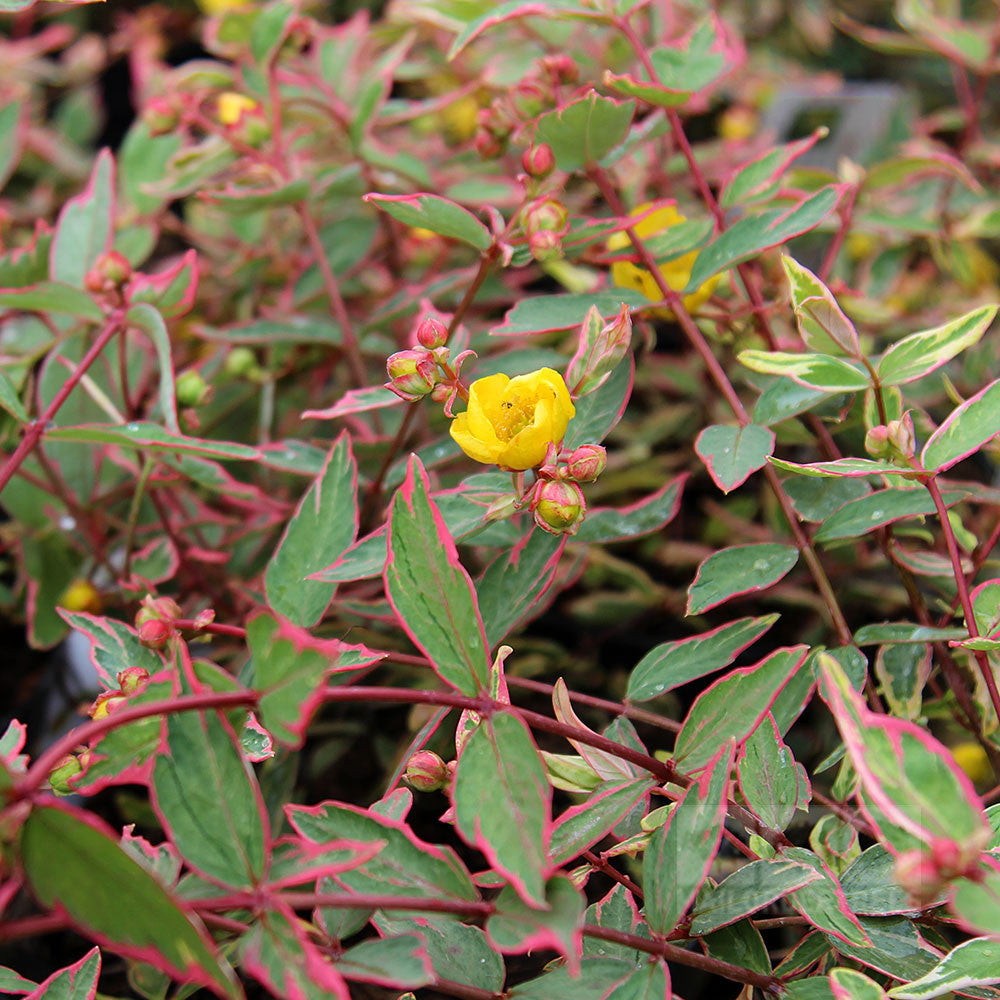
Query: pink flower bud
[(67, 769), (587, 463), (488, 145), (154, 633), (426, 772), (412, 374), (918, 875), (164, 609), (877, 442), (902, 436), (160, 116), (538, 161), (107, 703), (545, 215), (133, 680), (562, 68), (528, 100), (559, 507), (203, 619), (545, 245), (432, 333), (501, 508)]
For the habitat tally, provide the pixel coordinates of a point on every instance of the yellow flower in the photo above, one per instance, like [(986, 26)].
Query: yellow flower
[(972, 759), (676, 272), (221, 6), (511, 422), (81, 595), (233, 106)]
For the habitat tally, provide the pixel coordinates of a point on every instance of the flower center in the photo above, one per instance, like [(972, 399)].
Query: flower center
[(515, 414)]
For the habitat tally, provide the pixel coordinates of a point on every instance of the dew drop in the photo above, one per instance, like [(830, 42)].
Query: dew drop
[(132, 428), (876, 514)]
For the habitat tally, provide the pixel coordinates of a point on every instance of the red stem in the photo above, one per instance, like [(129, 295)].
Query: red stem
[(37, 428)]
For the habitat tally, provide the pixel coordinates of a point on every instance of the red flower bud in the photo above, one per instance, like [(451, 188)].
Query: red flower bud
[(918, 875), (426, 772), (587, 463), (545, 245), (559, 507), (133, 680), (538, 161), (107, 703), (412, 374), (432, 333), (154, 633), (546, 214)]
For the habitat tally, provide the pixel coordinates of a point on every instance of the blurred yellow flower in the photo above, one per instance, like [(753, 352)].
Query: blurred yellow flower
[(221, 6), (232, 106), (972, 759), (81, 595), (676, 272), (511, 422)]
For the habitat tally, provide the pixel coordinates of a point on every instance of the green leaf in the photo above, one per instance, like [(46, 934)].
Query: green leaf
[(842, 467), (114, 646), (269, 29), (109, 895), (599, 411), (208, 798), (732, 708), (822, 902), (822, 324), (761, 177), (769, 778), (404, 865), (503, 12), (674, 663), (12, 134), (501, 798), (597, 978), (784, 398), (244, 200), (84, 228), (400, 962), (148, 319), (753, 234), (321, 529), (740, 569), (747, 890), (290, 668), (143, 434), (651, 981), (294, 328), (867, 513), (584, 131), (429, 589), (52, 297), (965, 429), (458, 952), (515, 927), (582, 826), (889, 632), (680, 853), (143, 160), (853, 985), (739, 943), (902, 671), (924, 352), (51, 564), (977, 904), (731, 452), (439, 215), (515, 583), (814, 371), (816, 498), (77, 982), (652, 513), (12, 982), (870, 886), (547, 313), (972, 963)]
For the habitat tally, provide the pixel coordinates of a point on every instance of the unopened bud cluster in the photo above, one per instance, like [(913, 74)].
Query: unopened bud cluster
[(426, 369), (545, 222), (108, 276), (556, 500), (427, 772), (155, 621), (895, 441), (926, 874)]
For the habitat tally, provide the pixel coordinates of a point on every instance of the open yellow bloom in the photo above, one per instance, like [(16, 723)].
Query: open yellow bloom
[(676, 272), (232, 106), (511, 422)]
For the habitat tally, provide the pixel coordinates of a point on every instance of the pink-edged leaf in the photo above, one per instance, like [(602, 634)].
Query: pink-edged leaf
[(153, 563), (399, 962), (680, 853), (144, 434), (644, 517), (734, 706), (85, 226), (111, 899), (403, 864), (201, 781), (674, 663), (842, 467), (163, 860), (256, 740), (439, 215), (732, 453), (753, 234), (606, 765), (966, 428), (171, 291), (513, 9), (374, 397), (13, 983), (540, 314), (295, 861), (323, 526), (114, 646), (598, 412), (914, 792), (584, 131), (760, 177), (76, 982), (581, 826), (290, 669), (279, 953), (11, 744), (14, 122), (823, 903), (740, 569), (147, 318), (969, 964), (430, 590), (921, 353), (769, 780), (516, 928), (915, 164), (823, 325), (502, 800), (824, 372), (363, 560), (977, 904), (514, 584), (52, 297)]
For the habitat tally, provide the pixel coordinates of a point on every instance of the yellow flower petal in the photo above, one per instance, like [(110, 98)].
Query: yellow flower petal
[(473, 446)]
